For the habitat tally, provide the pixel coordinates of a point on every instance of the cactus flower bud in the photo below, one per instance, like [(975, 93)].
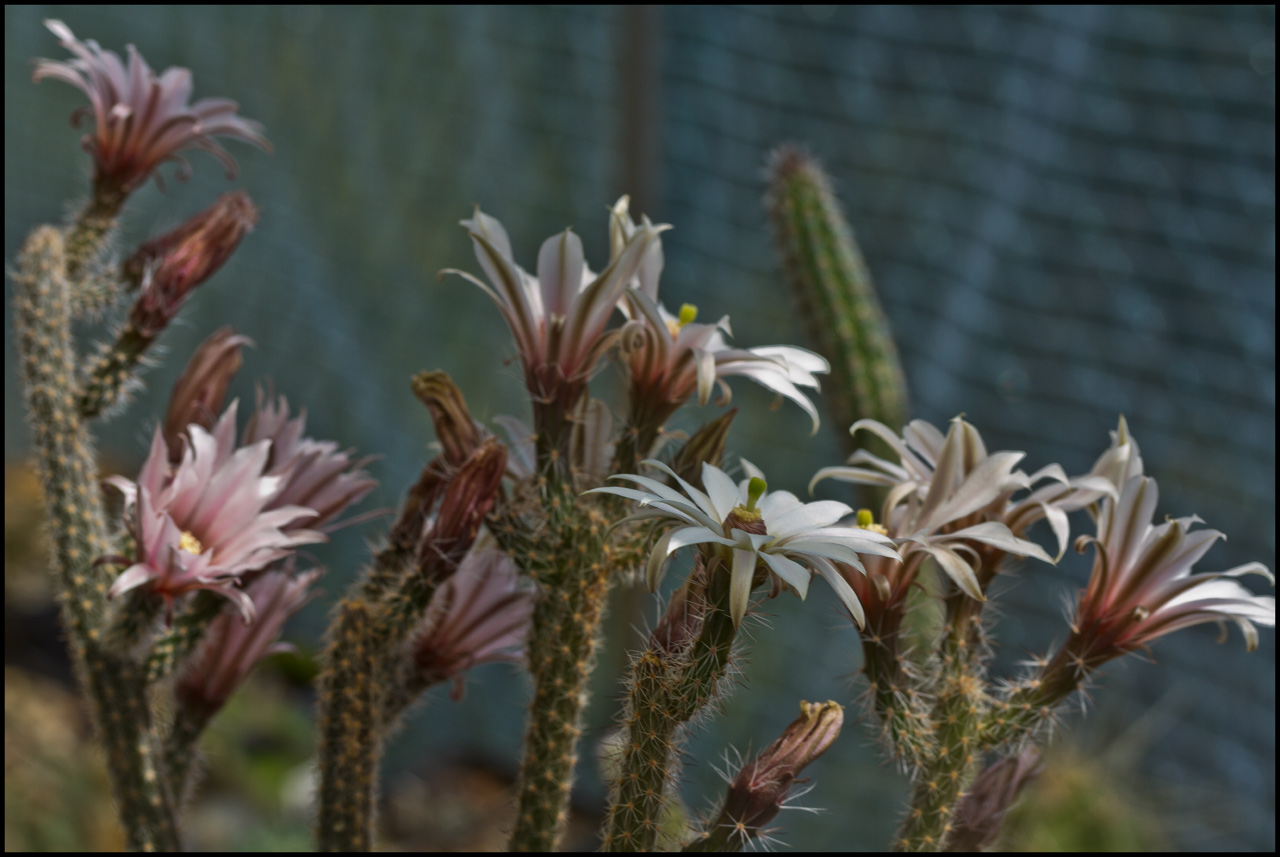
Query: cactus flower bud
[(201, 389), (761, 786), (468, 498), (983, 807), (169, 267)]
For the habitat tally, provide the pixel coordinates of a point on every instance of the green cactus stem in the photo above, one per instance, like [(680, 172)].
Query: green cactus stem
[(570, 564), (671, 682), (826, 271), (349, 720), (68, 475)]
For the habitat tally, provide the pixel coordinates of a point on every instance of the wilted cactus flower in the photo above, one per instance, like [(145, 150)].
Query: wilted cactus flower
[(140, 120), (743, 526), (231, 648), (989, 797), (761, 787), (669, 357), (207, 521), (1142, 587), (479, 615), (558, 318), (169, 268)]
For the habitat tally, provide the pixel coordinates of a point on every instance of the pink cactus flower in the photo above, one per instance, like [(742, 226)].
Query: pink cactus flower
[(231, 648), (209, 520), (481, 614), (313, 473), (141, 120)]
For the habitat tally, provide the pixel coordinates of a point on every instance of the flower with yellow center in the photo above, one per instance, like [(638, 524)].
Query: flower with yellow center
[(744, 528)]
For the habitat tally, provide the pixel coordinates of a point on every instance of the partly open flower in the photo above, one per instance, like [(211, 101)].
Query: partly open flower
[(558, 318), (140, 120), (669, 357), (210, 519), (479, 615), (1142, 587), (948, 494), (743, 526), (313, 473), (231, 648)]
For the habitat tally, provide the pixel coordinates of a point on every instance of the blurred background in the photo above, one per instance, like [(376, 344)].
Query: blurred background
[(1069, 213)]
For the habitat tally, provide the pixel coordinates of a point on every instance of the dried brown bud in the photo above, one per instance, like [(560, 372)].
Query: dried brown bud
[(980, 812), (169, 267), (457, 432), (201, 389)]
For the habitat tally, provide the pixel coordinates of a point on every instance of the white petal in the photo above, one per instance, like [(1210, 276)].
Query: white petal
[(744, 568), (958, 570), (997, 535), (720, 489), (792, 573)]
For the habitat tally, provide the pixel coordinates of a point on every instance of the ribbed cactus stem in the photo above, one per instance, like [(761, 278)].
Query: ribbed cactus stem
[(68, 476), (180, 639), (897, 698), (181, 745), (668, 686), (349, 733), (571, 568), (941, 779), (86, 239), (111, 371), (826, 271)]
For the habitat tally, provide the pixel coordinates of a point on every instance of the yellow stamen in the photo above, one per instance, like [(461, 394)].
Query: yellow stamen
[(688, 312), (867, 522), (190, 543)]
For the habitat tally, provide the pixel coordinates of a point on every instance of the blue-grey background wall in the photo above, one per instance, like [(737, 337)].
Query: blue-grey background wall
[(1070, 214)]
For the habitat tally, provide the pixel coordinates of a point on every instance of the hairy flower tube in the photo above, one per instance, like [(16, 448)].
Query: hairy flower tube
[(559, 318), (479, 615), (232, 648), (669, 357), (207, 521), (141, 120), (948, 492), (744, 526)]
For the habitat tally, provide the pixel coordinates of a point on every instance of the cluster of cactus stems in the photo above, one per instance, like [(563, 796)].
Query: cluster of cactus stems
[(503, 548)]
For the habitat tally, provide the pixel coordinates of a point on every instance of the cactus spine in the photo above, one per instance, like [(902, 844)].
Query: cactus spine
[(826, 271)]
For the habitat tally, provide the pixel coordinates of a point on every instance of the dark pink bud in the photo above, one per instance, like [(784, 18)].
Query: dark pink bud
[(468, 498), (201, 389), (169, 267)]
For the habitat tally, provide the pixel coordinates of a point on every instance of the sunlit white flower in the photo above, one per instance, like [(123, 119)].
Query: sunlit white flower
[(669, 357), (743, 526), (949, 492), (1142, 586), (141, 120), (558, 318)]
